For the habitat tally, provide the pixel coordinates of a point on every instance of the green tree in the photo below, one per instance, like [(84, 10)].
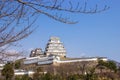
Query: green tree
[(112, 65), (107, 65), (101, 65), (91, 75), (17, 64), (8, 71), (25, 77), (48, 76), (73, 77), (38, 74)]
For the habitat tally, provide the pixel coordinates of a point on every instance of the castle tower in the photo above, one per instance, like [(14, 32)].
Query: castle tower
[(36, 52), (55, 47)]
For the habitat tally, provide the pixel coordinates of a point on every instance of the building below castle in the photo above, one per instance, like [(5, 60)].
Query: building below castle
[(56, 60), (54, 53)]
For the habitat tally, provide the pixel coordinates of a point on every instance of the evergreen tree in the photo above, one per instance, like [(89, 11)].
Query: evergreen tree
[(8, 71), (17, 64)]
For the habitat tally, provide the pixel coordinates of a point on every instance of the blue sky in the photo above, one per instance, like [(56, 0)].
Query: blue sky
[(94, 35)]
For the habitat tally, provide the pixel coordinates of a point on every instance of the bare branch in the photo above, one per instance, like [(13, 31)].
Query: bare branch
[(14, 12)]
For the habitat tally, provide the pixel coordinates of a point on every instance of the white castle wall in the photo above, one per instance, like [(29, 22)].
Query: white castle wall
[(56, 59)]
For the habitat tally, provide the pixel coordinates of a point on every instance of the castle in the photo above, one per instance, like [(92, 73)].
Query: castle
[(54, 47), (54, 53)]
